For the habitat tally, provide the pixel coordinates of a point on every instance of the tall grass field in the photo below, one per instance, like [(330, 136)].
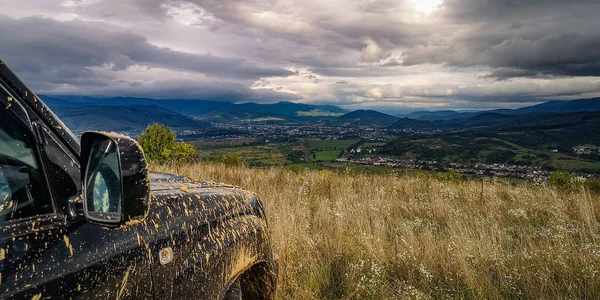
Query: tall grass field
[(378, 236)]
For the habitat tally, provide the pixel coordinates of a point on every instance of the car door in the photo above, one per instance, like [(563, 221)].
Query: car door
[(43, 252)]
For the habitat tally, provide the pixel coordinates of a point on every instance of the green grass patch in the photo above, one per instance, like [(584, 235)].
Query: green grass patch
[(326, 155), (318, 113), (271, 154), (330, 144), (572, 164)]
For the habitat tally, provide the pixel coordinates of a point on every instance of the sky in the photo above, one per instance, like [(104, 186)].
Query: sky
[(380, 54)]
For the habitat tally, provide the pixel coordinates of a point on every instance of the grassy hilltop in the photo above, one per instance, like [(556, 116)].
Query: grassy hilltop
[(356, 236)]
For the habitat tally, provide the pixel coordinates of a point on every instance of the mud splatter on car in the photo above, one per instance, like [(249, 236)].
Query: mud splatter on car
[(86, 219)]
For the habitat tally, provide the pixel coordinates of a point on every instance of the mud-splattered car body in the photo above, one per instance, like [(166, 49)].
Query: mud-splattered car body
[(194, 240)]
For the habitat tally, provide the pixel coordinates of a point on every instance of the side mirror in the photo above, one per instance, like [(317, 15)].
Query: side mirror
[(116, 186)]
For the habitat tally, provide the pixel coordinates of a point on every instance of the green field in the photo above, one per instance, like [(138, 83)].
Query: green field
[(330, 144), (224, 142), (271, 154), (468, 150), (326, 150), (256, 153), (326, 155)]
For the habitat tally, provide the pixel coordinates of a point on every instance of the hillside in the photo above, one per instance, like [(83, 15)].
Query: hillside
[(366, 118), (551, 121), (497, 121), (281, 112), (550, 107), (54, 102), (438, 115), (290, 112), (307, 114), (479, 120), (483, 120), (122, 118), (290, 109), (379, 236), (408, 123), (240, 116), (497, 138), (200, 108), (188, 107), (556, 107), (562, 131)]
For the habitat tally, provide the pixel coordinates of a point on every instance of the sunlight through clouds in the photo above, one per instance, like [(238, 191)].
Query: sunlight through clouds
[(426, 6)]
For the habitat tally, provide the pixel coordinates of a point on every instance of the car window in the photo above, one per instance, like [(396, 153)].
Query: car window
[(63, 169), (22, 189)]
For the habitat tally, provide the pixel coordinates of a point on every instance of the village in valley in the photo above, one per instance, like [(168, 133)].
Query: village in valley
[(494, 170), (263, 145)]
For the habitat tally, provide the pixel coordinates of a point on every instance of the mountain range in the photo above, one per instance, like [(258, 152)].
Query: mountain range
[(200, 108), (366, 118), (550, 107), (126, 113), (123, 118)]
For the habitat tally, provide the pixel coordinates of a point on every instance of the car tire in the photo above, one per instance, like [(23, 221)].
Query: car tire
[(234, 292)]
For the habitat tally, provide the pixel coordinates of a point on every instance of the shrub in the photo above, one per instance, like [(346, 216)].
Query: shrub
[(159, 144), (593, 184), (179, 152), (296, 168), (562, 181), (230, 160), (296, 156), (453, 176)]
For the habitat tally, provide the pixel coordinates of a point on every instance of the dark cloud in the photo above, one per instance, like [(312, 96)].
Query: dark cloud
[(179, 89), (63, 52), (507, 73), (351, 52), (508, 10), (518, 38), (560, 54)]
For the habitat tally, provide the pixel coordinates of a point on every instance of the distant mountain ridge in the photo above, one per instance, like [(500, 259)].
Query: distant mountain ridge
[(366, 118), (123, 118), (562, 106), (198, 108), (480, 120), (240, 116), (550, 107), (305, 114), (552, 121), (438, 115), (501, 121)]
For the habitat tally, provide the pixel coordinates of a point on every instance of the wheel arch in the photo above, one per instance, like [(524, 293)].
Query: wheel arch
[(257, 281)]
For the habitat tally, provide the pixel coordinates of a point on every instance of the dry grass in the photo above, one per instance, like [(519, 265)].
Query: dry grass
[(345, 236)]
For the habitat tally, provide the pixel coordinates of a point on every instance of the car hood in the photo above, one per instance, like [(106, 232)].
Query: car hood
[(202, 197), (161, 182)]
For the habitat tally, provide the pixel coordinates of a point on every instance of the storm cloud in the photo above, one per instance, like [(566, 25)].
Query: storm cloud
[(361, 53)]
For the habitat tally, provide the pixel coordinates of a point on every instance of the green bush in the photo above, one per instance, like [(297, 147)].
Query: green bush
[(562, 181), (230, 160), (593, 184), (179, 152), (159, 144), (452, 176)]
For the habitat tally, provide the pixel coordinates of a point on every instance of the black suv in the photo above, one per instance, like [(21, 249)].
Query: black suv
[(88, 220)]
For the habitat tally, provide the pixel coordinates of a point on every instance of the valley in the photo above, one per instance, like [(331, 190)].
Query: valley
[(510, 143)]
